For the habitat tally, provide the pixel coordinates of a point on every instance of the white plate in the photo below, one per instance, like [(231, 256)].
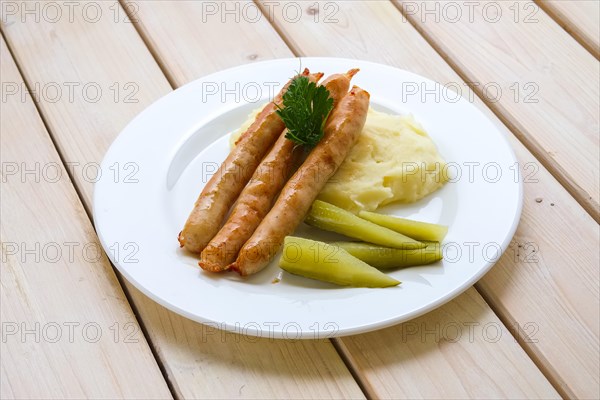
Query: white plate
[(156, 168)]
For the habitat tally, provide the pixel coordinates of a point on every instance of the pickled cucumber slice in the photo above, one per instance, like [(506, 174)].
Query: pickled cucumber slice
[(324, 262), (331, 218), (414, 229), (387, 257)]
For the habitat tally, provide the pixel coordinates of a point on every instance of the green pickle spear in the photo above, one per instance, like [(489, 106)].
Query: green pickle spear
[(332, 218), (414, 229), (324, 262), (386, 257)]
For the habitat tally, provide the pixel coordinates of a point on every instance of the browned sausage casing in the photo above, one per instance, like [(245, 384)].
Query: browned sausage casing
[(226, 184), (256, 199), (341, 132)]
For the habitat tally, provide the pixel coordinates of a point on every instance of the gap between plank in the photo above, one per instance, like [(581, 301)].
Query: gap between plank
[(565, 25), (337, 344), (88, 213), (172, 82), (148, 43), (538, 361), (556, 170), (44, 122), (283, 37), (348, 360)]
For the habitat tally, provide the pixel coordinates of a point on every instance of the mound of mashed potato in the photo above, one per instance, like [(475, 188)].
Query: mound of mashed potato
[(394, 160)]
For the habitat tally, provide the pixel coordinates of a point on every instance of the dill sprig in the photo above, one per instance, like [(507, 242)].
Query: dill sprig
[(305, 110)]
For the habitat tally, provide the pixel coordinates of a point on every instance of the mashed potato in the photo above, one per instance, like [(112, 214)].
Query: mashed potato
[(394, 160), (245, 125)]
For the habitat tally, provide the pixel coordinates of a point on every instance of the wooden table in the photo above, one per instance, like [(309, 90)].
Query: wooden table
[(75, 73)]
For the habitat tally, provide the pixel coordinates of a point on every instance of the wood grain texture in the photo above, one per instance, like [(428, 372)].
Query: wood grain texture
[(548, 293), (208, 36), (199, 363), (50, 55), (528, 382), (458, 351), (549, 89), (581, 18), (204, 362), (67, 328)]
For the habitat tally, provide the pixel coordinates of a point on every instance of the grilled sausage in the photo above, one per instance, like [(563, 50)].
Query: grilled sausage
[(341, 132), (226, 184), (256, 199)]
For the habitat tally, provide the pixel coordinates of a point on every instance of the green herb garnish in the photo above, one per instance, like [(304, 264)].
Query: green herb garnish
[(305, 110)]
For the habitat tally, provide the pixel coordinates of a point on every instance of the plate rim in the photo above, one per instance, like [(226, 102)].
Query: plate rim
[(359, 328)]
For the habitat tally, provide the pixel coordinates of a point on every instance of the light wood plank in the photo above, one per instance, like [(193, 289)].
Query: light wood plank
[(458, 351), (199, 364), (200, 42), (203, 362), (550, 93), (55, 295), (581, 18), (162, 37), (550, 292)]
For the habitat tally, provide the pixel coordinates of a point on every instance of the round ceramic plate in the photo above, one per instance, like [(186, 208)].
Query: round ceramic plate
[(155, 169)]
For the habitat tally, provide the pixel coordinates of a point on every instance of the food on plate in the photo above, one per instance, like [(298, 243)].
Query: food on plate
[(387, 257), (253, 204), (256, 199), (325, 262), (332, 218), (394, 160), (236, 133), (415, 229), (341, 132), (345, 160), (306, 108), (225, 185)]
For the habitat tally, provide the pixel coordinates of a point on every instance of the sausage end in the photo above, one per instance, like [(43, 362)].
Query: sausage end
[(212, 267), (352, 72), (234, 267)]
